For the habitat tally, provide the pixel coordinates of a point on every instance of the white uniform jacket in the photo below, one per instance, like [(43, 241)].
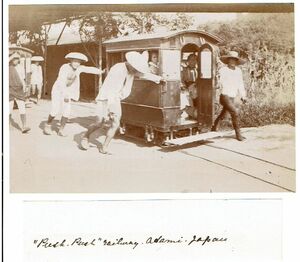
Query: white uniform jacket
[(118, 83), (67, 83), (231, 82)]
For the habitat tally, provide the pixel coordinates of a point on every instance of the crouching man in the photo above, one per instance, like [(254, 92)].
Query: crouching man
[(231, 82), (116, 87)]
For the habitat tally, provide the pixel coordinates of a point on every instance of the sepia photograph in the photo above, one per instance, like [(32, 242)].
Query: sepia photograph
[(157, 98)]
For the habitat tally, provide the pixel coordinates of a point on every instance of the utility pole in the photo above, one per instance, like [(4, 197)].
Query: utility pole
[(100, 55)]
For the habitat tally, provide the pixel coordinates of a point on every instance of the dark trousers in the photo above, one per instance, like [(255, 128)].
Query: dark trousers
[(228, 106)]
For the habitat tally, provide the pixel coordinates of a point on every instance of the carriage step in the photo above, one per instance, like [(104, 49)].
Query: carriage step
[(197, 138)]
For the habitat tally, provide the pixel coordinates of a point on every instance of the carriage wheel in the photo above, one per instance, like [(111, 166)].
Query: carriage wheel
[(159, 138)]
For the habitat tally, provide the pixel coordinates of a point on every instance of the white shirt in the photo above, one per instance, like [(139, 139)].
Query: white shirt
[(67, 83), (231, 81), (118, 83), (36, 75)]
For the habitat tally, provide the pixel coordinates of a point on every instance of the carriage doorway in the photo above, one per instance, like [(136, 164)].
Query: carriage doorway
[(189, 81)]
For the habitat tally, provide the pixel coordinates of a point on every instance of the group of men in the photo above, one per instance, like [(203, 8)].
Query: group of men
[(116, 87)]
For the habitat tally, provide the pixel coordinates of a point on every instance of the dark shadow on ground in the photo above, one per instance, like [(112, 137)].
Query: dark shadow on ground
[(226, 137), (86, 121), (93, 138), (14, 124), (173, 148), (83, 121), (55, 125)]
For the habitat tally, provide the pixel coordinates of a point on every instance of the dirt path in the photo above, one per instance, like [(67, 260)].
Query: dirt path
[(55, 164)]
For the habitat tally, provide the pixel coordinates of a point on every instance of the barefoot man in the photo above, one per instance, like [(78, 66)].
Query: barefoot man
[(116, 87)]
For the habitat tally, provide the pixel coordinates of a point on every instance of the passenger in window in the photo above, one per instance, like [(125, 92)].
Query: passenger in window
[(189, 77), (153, 63)]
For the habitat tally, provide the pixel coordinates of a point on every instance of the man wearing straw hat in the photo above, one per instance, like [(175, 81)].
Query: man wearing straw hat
[(116, 87), (17, 90), (232, 84), (67, 87), (36, 77)]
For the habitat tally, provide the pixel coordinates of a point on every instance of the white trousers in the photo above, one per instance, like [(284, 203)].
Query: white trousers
[(21, 106), (36, 89), (60, 105)]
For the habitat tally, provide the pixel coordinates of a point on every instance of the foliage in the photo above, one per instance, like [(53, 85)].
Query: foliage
[(266, 41), (33, 40), (275, 31), (108, 25)]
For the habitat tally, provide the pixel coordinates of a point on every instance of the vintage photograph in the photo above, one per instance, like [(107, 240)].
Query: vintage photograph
[(171, 98)]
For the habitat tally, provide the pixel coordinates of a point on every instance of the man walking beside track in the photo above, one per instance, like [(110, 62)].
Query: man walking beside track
[(231, 81), (116, 87)]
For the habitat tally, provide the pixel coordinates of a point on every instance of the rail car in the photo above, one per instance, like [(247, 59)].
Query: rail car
[(153, 111)]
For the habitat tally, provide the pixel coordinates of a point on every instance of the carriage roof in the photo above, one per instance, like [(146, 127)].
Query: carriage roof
[(159, 40)]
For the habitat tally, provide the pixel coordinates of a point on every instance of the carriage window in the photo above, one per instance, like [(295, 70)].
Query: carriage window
[(171, 64), (206, 64), (154, 62)]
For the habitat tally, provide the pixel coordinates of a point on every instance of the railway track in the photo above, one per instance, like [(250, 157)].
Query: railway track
[(275, 174), (260, 169)]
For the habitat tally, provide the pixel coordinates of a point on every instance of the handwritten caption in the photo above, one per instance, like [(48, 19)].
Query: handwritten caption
[(47, 243)]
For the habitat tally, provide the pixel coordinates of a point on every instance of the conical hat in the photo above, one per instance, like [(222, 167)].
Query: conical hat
[(234, 55), (76, 55), (138, 61), (37, 59)]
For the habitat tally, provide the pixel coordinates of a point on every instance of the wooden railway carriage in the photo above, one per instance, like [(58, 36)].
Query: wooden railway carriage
[(154, 110)]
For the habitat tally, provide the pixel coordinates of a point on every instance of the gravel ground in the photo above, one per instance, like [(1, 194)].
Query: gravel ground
[(53, 164)]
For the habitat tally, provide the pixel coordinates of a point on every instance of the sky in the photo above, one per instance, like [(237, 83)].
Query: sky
[(201, 18)]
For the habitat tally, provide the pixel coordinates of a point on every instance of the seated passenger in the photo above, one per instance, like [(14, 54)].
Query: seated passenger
[(189, 95), (153, 63)]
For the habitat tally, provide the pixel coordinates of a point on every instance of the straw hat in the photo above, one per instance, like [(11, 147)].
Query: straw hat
[(14, 56), (37, 59), (232, 55), (76, 55), (138, 61)]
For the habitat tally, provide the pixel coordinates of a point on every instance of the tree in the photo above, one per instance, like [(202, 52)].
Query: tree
[(275, 31), (178, 21)]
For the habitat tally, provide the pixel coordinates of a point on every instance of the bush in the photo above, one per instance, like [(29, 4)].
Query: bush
[(260, 115), (269, 79), (270, 84), (266, 40)]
